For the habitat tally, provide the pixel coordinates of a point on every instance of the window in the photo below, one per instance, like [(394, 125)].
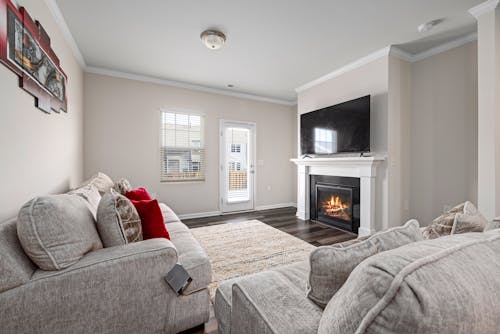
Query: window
[(182, 151), (235, 148)]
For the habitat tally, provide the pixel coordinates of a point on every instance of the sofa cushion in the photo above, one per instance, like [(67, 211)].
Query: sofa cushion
[(56, 231), (151, 219), (15, 267), (270, 302), (191, 256), (331, 265), (101, 181), (118, 222), (169, 215), (89, 193), (122, 186), (447, 285)]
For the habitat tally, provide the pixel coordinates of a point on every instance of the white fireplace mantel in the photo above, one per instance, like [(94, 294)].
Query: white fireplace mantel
[(365, 168)]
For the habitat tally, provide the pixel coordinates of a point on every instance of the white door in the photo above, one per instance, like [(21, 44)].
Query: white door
[(237, 165)]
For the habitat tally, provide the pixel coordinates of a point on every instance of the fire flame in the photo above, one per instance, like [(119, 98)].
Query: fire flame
[(335, 207)]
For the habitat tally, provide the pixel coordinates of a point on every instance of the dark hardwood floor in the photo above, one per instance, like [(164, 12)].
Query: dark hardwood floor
[(285, 220)]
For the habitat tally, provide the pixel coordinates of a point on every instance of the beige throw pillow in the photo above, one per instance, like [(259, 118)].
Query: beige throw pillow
[(101, 181), (330, 266), (118, 222), (91, 195), (443, 224), (465, 222)]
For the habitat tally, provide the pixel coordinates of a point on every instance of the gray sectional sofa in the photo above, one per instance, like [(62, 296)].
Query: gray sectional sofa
[(110, 290), (446, 285)]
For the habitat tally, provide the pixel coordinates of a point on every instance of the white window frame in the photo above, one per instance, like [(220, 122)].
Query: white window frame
[(192, 176)]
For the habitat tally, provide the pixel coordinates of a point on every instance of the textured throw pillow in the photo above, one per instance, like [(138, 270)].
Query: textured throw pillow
[(56, 231), (91, 195), (139, 194), (468, 223), (118, 222), (122, 186), (101, 181), (151, 219), (330, 266), (443, 224)]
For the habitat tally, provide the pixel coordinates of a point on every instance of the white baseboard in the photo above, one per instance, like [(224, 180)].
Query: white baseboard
[(199, 215), (218, 213), (275, 206)]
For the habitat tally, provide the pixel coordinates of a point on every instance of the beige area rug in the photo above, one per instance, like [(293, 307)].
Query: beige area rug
[(237, 249)]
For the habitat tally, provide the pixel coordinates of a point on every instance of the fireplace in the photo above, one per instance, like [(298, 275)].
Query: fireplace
[(335, 201)]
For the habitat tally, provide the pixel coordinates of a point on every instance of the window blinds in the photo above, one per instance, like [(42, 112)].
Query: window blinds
[(182, 147)]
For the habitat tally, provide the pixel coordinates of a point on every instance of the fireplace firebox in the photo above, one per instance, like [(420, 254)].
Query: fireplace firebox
[(335, 201)]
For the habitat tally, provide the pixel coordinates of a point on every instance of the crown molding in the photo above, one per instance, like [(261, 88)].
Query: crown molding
[(344, 69), (484, 8), (445, 47), (61, 23), (179, 84), (403, 55)]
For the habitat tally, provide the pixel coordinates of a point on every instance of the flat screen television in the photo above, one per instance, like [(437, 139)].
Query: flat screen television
[(341, 128)]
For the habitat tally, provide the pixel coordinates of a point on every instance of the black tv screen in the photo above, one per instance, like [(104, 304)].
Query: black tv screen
[(341, 128)]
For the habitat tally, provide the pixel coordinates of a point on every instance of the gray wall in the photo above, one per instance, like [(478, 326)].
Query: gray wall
[(122, 136), (41, 153), (443, 159)]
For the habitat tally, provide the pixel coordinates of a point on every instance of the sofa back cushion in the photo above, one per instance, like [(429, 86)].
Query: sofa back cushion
[(118, 222), (330, 266), (56, 231), (15, 267), (446, 285)]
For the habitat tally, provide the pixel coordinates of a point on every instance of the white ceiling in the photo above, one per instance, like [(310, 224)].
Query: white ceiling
[(273, 46)]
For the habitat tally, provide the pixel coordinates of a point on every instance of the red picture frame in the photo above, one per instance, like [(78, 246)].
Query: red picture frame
[(25, 50)]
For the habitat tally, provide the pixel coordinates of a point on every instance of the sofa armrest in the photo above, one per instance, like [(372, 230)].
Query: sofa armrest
[(117, 290), (101, 258)]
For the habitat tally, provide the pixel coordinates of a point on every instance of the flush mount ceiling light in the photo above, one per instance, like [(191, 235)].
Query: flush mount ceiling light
[(213, 39), (427, 26)]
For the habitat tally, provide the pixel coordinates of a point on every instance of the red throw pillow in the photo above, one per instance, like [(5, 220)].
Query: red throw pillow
[(153, 225), (139, 194)]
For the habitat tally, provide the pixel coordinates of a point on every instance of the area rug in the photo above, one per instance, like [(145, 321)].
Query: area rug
[(237, 249)]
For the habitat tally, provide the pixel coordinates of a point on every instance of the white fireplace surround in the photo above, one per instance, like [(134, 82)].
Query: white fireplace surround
[(365, 168)]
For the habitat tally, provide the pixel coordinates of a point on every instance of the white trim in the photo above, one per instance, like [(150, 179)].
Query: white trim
[(179, 84), (199, 215), (483, 8), (349, 67), (61, 23), (398, 53), (445, 47), (218, 213), (394, 51), (275, 206), (237, 206)]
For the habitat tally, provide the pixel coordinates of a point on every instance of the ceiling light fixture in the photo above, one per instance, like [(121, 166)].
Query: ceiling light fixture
[(213, 39), (427, 26)]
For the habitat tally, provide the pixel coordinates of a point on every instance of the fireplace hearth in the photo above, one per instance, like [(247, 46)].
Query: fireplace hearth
[(335, 201)]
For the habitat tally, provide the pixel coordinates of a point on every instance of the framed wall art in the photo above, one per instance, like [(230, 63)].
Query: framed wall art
[(25, 49)]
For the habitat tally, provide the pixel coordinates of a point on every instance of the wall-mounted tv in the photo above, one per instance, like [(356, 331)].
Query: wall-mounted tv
[(341, 128)]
